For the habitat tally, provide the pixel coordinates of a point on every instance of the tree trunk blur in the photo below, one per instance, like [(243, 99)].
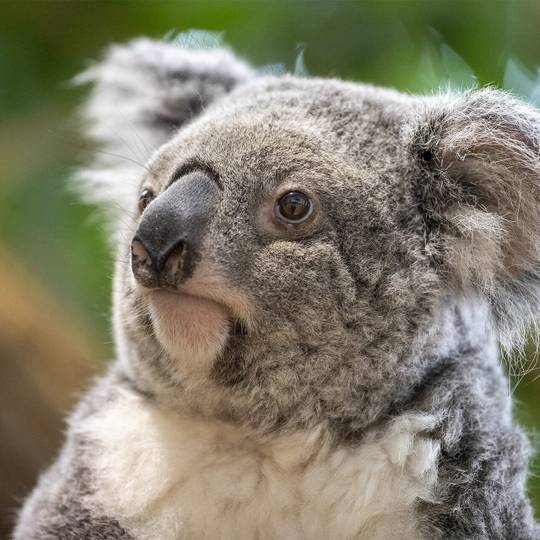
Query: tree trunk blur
[(44, 364)]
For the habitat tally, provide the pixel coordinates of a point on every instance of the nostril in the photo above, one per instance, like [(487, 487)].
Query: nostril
[(139, 253), (142, 265), (174, 262)]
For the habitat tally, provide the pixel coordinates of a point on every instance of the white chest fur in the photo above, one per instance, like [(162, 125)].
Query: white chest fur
[(169, 477)]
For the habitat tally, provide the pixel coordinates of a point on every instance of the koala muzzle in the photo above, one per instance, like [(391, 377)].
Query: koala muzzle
[(166, 247)]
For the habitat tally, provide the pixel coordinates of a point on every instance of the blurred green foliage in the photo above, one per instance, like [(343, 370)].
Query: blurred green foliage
[(413, 46)]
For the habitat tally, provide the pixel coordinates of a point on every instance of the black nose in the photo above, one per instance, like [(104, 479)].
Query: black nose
[(166, 247)]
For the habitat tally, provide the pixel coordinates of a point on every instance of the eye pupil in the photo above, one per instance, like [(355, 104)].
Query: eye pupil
[(294, 207), (145, 199)]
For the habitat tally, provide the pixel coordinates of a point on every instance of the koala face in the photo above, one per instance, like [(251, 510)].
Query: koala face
[(264, 257), (290, 248)]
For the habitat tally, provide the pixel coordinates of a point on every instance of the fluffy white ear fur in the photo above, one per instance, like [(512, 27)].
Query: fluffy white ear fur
[(481, 150), (142, 92)]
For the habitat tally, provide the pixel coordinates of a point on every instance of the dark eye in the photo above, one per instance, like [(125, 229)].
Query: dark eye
[(294, 207), (145, 198)]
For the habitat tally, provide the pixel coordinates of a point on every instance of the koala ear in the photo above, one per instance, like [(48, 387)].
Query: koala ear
[(142, 92), (480, 197)]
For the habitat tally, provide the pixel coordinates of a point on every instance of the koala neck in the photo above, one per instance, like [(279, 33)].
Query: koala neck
[(461, 325), (462, 332)]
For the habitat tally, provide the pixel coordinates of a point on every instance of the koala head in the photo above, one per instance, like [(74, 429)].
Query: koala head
[(288, 248)]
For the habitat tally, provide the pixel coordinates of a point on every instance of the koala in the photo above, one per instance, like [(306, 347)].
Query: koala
[(314, 280)]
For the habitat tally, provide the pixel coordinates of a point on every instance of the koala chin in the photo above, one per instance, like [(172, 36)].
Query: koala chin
[(313, 281), (191, 330)]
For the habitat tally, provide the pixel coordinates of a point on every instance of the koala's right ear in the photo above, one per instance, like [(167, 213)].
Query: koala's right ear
[(479, 193), (142, 92)]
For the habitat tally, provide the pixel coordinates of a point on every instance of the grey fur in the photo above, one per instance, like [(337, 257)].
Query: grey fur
[(424, 255), (55, 510)]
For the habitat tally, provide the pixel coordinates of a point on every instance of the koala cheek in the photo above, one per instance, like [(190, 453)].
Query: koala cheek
[(299, 278), (191, 330)]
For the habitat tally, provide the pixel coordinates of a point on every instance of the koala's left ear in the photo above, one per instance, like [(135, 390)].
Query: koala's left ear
[(142, 92), (479, 191)]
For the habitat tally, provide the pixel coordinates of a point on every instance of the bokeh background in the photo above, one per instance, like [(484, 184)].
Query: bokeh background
[(55, 267)]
